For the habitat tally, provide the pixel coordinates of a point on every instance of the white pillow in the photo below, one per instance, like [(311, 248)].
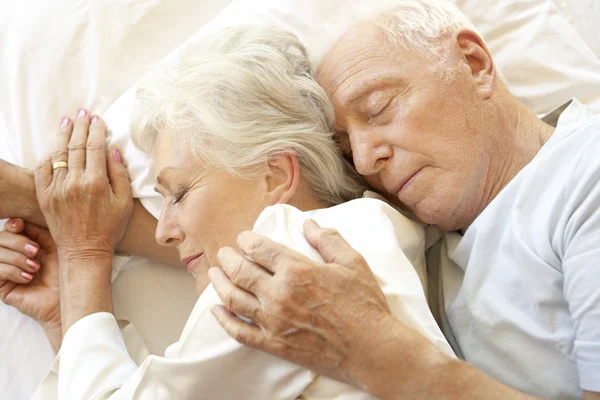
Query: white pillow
[(543, 58)]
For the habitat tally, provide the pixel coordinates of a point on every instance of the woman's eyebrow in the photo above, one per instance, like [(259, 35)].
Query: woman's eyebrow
[(160, 176)]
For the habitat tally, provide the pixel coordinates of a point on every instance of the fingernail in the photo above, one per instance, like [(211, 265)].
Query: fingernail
[(211, 273), (117, 155), (33, 264), (94, 119), (31, 249), (27, 276), (65, 121), (13, 223), (82, 113)]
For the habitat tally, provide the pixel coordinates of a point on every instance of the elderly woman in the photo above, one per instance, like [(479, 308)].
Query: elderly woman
[(243, 140)]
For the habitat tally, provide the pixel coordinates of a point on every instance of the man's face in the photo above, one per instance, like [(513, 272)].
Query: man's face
[(417, 138)]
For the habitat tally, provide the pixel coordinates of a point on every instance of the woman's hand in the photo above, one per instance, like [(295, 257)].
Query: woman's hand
[(29, 275), (86, 200), (87, 203)]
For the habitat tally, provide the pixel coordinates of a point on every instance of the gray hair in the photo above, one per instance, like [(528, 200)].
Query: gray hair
[(415, 25), (241, 97)]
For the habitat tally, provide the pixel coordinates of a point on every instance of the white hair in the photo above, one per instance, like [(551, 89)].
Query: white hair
[(420, 24), (414, 25), (241, 97)]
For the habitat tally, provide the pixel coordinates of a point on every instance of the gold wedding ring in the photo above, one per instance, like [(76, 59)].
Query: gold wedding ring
[(60, 164)]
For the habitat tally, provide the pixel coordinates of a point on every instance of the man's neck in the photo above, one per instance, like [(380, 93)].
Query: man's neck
[(520, 137)]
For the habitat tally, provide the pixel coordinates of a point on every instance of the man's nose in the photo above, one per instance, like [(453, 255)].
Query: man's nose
[(370, 153)]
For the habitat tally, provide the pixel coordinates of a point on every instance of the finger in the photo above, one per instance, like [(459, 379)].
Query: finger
[(96, 148), (61, 152), (245, 333), (6, 287), (19, 243), (118, 175), (40, 236), (14, 274), (244, 273), (43, 176), (77, 143), (270, 255), (234, 298), (14, 252), (331, 245), (15, 225)]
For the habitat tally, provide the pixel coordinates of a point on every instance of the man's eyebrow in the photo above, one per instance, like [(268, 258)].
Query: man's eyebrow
[(368, 86)]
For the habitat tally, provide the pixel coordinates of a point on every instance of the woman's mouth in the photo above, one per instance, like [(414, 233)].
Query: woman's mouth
[(190, 262)]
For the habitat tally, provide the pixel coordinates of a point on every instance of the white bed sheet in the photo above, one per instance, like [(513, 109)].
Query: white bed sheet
[(58, 55)]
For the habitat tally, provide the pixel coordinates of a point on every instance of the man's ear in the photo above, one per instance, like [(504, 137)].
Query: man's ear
[(478, 58), (283, 177)]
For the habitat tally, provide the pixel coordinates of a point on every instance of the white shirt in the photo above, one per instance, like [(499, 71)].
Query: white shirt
[(528, 310), (207, 364)]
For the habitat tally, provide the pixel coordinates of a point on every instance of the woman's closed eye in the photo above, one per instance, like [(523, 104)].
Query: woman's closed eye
[(178, 194)]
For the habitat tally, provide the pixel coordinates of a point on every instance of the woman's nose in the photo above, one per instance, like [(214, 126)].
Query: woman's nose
[(168, 232)]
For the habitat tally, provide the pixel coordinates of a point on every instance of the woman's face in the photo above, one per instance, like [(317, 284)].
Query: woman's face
[(205, 208)]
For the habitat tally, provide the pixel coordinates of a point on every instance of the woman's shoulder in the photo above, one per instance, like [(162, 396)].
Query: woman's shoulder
[(367, 224)]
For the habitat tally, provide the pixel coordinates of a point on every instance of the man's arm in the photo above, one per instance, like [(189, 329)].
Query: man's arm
[(333, 319), (18, 200)]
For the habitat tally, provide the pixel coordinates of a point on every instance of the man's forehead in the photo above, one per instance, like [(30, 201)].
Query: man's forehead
[(353, 68), (349, 46)]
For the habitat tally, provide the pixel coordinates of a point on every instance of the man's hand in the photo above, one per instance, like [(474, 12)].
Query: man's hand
[(318, 315), (17, 194), (333, 318)]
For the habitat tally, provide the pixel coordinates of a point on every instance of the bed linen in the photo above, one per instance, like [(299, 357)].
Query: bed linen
[(59, 55)]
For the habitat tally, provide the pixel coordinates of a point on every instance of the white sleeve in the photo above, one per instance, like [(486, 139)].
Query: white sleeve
[(205, 364), (581, 269), (93, 359)]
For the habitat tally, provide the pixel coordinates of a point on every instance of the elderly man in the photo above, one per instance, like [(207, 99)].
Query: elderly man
[(425, 118)]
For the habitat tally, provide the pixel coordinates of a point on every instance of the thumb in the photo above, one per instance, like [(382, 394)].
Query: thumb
[(118, 175), (41, 236), (331, 245), (14, 225)]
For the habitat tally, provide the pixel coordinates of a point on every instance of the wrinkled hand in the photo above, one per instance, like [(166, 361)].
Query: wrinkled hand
[(31, 287), (313, 314), (87, 206)]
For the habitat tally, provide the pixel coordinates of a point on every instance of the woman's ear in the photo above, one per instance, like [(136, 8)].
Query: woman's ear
[(283, 177), (475, 53)]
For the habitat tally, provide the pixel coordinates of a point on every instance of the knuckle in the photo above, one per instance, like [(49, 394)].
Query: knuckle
[(253, 243), (355, 258), (239, 335), (60, 154), (43, 163), (328, 233), (95, 144), (96, 184), (76, 146), (229, 300), (236, 270)]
